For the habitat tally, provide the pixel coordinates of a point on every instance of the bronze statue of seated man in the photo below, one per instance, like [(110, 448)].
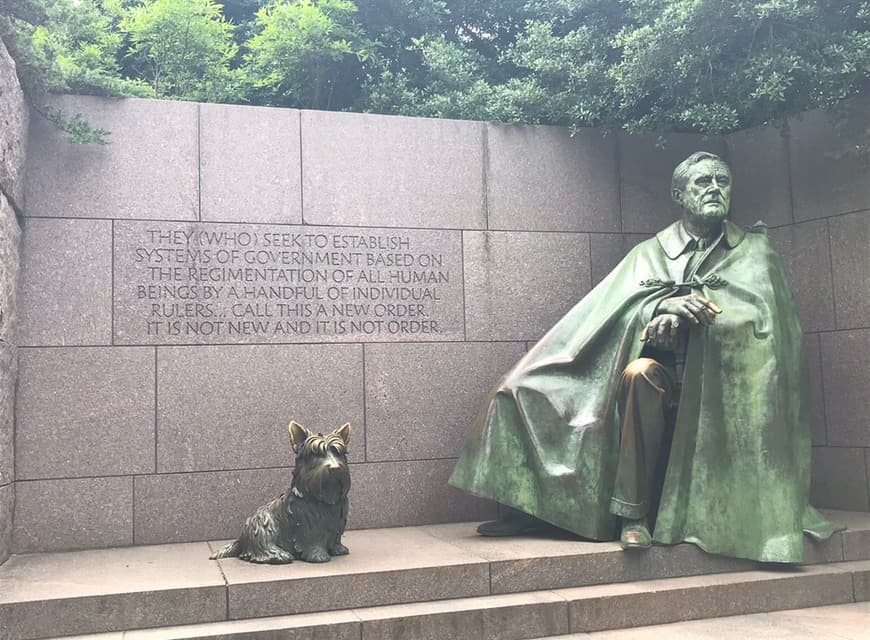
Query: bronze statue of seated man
[(666, 406)]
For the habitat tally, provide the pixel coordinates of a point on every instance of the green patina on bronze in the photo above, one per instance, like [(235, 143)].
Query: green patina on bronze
[(737, 480)]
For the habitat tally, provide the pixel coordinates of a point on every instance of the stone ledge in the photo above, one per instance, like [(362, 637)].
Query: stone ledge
[(164, 585), (531, 615)]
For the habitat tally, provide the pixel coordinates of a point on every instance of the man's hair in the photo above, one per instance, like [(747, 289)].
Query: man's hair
[(681, 173)]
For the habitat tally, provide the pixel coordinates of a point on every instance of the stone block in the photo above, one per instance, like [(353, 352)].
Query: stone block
[(645, 177), (65, 284), (84, 411), (530, 615), (673, 600), (8, 377), (247, 395), (335, 625), (826, 179), (814, 395), (861, 581), (762, 189), (609, 564), (823, 551), (608, 250), (399, 494), (85, 513), (846, 373), (250, 164), (856, 535), (839, 479), (10, 235), (555, 563), (183, 507), (388, 171), (517, 285), (7, 506), (205, 283), (149, 170), (13, 133), (421, 399), (805, 253), (111, 589), (856, 545), (544, 179), (383, 567), (850, 256)]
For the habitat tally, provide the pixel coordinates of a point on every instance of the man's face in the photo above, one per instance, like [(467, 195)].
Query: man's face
[(707, 194)]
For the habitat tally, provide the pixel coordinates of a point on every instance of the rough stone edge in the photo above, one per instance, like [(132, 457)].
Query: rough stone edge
[(24, 111), (12, 241)]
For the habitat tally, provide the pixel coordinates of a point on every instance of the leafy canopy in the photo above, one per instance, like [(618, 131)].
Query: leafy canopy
[(307, 54), (182, 48), (657, 65)]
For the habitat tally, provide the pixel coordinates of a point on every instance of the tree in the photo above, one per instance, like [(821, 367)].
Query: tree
[(183, 48), (308, 53), (709, 66), (662, 65), (62, 46), (695, 65)]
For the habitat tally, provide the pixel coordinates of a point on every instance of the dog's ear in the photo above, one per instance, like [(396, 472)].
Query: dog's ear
[(344, 433), (298, 435)]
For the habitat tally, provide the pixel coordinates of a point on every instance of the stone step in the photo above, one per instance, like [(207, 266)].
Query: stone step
[(44, 595), (555, 613), (832, 622)]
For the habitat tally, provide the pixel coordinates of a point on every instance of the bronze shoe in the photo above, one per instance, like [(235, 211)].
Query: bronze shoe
[(515, 523), (635, 535)]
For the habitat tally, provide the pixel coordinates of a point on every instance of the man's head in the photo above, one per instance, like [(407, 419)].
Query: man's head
[(701, 184)]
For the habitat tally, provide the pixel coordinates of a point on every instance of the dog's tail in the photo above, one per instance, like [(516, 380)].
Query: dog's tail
[(232, 550)]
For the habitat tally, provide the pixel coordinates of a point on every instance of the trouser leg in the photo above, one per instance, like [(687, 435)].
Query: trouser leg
[(644, 396)]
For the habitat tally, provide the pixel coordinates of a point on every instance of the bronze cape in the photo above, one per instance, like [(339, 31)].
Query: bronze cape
[(737, 480)]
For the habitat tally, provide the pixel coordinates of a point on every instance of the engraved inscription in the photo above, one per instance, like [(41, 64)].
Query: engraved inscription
[(215, 283)]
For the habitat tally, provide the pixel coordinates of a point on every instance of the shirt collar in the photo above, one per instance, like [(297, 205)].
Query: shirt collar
[(674, 239)]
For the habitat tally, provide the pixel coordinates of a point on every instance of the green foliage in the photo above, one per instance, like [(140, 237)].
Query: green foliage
[(80, 130), (62, 46), (661, 65), (720, 66), (66, 46), (307, 53), (183, 48), (656, 65), (455, 87)]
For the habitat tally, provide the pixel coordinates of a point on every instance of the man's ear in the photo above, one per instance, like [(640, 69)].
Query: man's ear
[(298, 435), (344, 433), (677, 196)]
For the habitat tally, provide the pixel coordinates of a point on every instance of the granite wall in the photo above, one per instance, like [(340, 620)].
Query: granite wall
[(820, 208), (219, 270), (13, 136)]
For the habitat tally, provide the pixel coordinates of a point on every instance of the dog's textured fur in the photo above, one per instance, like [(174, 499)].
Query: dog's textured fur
[(308, 520)]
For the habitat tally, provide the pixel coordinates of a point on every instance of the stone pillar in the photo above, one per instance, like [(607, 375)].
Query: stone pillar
[(13, 136)]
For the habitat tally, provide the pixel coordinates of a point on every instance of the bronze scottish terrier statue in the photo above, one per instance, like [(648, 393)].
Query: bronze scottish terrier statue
[(307, 521)]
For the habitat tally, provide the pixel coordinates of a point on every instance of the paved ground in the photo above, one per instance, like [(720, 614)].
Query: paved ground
[(838, 622)]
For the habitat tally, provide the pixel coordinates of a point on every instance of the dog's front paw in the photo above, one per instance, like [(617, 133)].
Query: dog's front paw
[(315, 554), (338, 549)]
